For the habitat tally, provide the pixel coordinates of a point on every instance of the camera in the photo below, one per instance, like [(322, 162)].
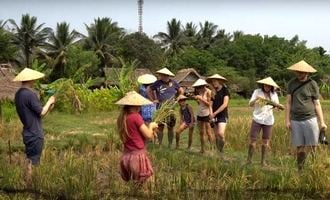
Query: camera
[(323, 137), (212, 122)]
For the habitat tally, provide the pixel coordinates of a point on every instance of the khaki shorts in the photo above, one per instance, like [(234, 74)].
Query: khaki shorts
[(305, 133)]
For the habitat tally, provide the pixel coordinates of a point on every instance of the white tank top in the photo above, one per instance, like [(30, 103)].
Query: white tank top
[(203, 110)]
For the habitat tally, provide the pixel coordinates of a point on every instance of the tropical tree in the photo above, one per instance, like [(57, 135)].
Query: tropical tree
[(7, 49), (29, 36), (206, 34), (190, 32), (138, 46), (103, 38), (173, 40), (57, 47)]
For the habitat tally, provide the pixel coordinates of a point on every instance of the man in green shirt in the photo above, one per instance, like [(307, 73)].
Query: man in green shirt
[(303, 111)]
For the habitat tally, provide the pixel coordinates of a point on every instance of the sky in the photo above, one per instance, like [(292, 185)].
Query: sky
[(309, 19)]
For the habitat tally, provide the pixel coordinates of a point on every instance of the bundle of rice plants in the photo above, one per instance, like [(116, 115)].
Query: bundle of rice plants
[(165, 110)]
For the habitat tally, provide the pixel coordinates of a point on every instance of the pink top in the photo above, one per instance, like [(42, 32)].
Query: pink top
[(135, 139)]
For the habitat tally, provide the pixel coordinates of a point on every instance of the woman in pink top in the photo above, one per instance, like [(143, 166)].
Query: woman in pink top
[(134, 163)]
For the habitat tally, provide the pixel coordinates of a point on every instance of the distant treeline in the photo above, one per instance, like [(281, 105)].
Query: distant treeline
[(242, 58)]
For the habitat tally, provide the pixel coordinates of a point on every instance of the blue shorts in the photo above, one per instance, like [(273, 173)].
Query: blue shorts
[(33, 148)]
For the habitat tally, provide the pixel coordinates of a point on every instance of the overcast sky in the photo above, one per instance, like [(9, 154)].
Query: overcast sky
[(308, 19)]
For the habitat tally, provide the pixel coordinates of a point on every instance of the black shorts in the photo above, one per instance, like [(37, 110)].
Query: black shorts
[(218, 120), (203, 119), (170, 121)]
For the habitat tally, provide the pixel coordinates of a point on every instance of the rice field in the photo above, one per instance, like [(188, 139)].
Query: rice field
[(80, 161)]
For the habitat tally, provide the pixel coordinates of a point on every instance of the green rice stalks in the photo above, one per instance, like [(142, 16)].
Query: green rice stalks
[(166, 109), (263, 102)]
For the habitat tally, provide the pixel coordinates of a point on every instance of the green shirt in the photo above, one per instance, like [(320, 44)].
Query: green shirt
[(302, 105)]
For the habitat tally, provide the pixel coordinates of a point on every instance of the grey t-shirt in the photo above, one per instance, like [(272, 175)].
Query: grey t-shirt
[(302, 105), (29, 108)]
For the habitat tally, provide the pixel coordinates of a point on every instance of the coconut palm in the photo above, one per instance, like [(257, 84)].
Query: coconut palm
[(28, 36), (173, 40), (190, 32), (206, 34), (103, 36), (57, 47)]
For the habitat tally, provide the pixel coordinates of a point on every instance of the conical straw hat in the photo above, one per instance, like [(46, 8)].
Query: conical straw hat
[(215, 76), (133, 99), (268, 81), (181, 97), (302, 66), (199, 82), (28, 74), (147, 79), (165, 71)]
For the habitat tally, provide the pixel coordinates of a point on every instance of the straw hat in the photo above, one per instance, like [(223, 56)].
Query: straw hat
[(199, 82), (147, 79), (268, 81), (28, 74), (215, 76), (133, 99), (302, 66), (165, 71), (181, 97)]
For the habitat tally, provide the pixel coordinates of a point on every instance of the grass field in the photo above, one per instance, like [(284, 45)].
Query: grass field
[(80, 161)]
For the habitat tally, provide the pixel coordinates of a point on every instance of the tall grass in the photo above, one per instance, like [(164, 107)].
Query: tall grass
[(81, 155)]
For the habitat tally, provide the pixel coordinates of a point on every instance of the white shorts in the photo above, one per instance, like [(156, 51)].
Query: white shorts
[(305, 133)]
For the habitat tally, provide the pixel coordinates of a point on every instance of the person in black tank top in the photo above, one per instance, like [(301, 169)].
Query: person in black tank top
[(219, 109)]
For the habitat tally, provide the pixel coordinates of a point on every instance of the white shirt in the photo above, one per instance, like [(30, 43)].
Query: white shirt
[(263, 114)]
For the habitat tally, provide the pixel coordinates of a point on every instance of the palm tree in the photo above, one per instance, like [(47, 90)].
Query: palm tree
[(173, 40), (102, 37), (237, 35), (28, 36), (190, 32), (57, 47), (206, 34)]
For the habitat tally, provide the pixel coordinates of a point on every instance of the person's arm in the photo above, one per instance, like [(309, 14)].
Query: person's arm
[(319, 113), (253, 99), (47, 107), (180, 91), (148, 131), (287, 111), (223, 106)]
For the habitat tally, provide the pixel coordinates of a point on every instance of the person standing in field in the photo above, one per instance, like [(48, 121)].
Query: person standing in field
[(303, 111), (165, 89), (187, 120), (134, 163), (30, 112), (147, 111), (203, 97), (263, 118), (219, 114)]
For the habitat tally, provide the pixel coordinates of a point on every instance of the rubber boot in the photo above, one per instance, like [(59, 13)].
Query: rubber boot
[(220, 144), (160, 137), (250, 154), (177, 140), (170, 136), (263, 155), (301, 157)]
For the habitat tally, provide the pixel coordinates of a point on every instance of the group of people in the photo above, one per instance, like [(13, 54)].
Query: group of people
[(135, 123)]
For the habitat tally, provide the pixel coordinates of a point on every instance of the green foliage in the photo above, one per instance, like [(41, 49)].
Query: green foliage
[(8, 51), (81, 64), (29, 36), (200, 60), (65, 91), (137, 46)]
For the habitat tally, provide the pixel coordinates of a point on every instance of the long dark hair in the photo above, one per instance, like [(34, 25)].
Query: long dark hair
[(272, 89), (121, 123)]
